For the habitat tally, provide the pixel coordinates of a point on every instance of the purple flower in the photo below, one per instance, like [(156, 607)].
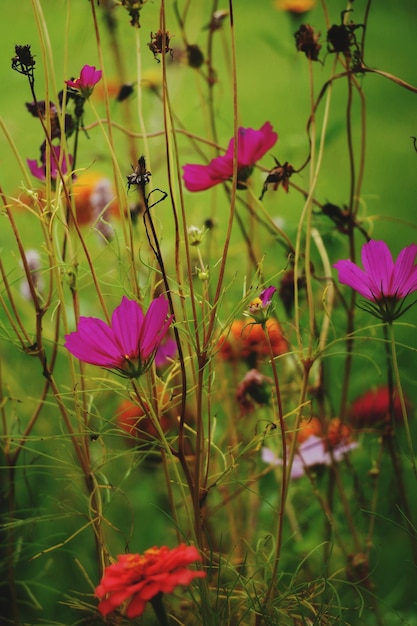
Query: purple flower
[(129, 344), (89, 77), (266, 296), (252, 145), (382, 281), (309, 453), (165, 351), (260, 307), (56, 156)]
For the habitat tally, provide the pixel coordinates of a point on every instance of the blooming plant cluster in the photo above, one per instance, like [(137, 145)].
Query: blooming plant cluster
[(208, 335)]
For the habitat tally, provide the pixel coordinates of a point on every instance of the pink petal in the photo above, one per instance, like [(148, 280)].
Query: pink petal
[(89, 76), (378, 264), (404, 277), (253, 144), (93, 343), (155, 327), (166, 350), (201, 177), (38, 171), (312, 452), (351, 275), (221, 168), (127, 322)]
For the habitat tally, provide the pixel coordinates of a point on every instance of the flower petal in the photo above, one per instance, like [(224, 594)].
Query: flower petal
[(351, 275), (404, 276), (253, 144), (89, 76), (155, 327), (93, 343), (200, 177), (38, 171), (378, 264), (127, 322)]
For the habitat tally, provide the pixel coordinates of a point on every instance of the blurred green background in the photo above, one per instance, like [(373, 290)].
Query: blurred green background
[(273, 84)]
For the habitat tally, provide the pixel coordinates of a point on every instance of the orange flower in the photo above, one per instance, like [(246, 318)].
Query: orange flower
[(134, 420), (295, 6), (136, 579), (338, 433), (94, 197), (248, 341), (308, 427)]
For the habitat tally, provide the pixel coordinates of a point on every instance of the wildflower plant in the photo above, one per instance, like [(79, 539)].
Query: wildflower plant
[(207, 400)]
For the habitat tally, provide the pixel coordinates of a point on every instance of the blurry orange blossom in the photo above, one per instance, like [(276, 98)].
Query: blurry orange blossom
[(295, 6), (135, 421), (246, 340), (309, 426), (94, 198), (338, 433)]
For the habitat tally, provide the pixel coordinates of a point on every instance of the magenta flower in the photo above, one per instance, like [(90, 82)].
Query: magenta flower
[(252, 145), (129, 344), (56, 156), (89, 77), (382, 281)]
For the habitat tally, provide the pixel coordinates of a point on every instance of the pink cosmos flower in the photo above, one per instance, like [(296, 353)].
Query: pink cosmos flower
[(89, 77), (310, 453), (252, 145), (382, 281), (139, 578), (39, 170), (129, 344)]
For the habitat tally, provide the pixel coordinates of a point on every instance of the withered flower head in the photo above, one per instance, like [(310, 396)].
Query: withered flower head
[(159, 44), (140, 176), (307, 41), (124, 92), (195, 57), (279, 175), (341, 38), (24, 61), (217, 20), (253, 390), (40, 109), (133, 7), (286, 291)]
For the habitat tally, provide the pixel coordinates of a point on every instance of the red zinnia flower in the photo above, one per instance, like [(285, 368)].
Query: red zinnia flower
[(129, 344), (372, 408), (137, 578), (252, 145)]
